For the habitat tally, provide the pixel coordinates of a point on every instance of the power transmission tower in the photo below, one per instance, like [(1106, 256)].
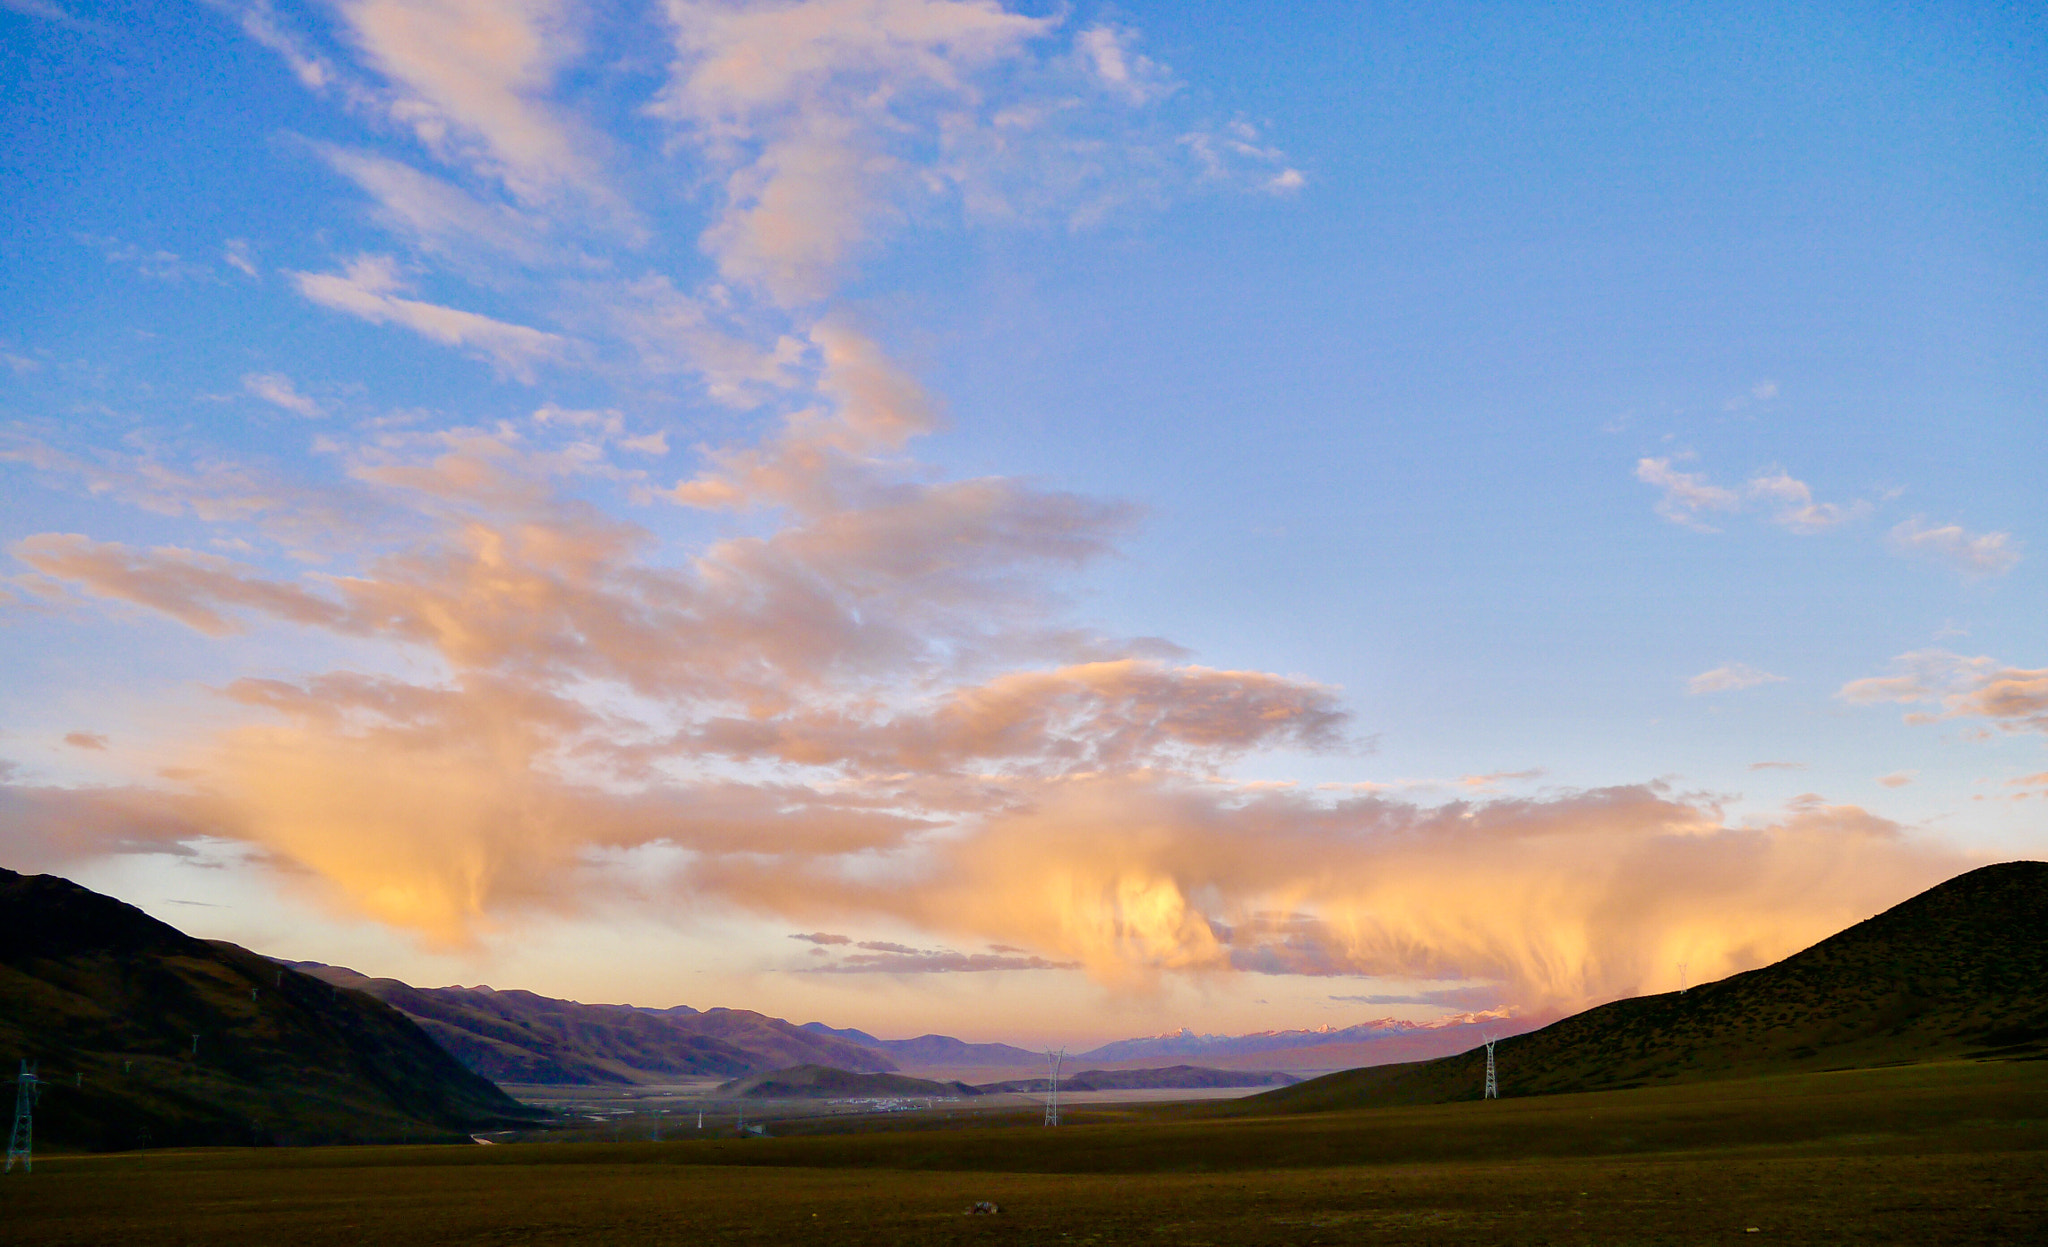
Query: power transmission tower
[(1052, 1102), (1492, 1087), (20, 1144)]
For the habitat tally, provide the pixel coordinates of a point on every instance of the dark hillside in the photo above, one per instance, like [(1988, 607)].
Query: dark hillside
[(822, 1081), (1959, 971), (108, 1000), (522, 1037)]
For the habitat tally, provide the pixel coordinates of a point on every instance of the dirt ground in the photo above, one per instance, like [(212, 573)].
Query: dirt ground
[(1951, 1154)]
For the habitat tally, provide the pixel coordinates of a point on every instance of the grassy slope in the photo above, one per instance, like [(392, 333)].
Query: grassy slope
[(107, 999), (1961, 969)]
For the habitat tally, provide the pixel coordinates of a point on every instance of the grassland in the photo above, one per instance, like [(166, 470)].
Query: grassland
[(1949, 1153)]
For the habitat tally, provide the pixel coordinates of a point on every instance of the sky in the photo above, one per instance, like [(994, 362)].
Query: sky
[(1037, 522)]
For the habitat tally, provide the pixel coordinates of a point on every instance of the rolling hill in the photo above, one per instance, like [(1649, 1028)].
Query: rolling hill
[(1174, 1077), (1960, 970), (521, 1037), (823, 1081), (145, 1035)]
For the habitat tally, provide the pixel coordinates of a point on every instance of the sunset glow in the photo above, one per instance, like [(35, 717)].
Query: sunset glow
[(1091, 521)]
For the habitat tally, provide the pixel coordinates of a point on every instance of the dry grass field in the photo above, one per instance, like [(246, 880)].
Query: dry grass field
[(1947, 1153)]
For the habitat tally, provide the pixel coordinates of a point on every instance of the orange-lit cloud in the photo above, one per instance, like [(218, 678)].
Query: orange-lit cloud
[(2013, 698)]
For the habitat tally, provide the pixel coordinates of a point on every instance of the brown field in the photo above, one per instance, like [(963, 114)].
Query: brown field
[(1947, 1153)]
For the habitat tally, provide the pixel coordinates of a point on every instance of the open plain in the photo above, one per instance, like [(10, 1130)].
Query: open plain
[(1953, 1152)]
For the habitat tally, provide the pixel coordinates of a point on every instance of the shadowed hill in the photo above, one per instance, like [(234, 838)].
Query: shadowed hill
[(521, 1037), (1959, 971), (1172, 1077), (109, 1000), (822, 1081)]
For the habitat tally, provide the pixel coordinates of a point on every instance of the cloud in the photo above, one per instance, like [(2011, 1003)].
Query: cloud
[(2015, 699), (195, 589), (436, 215), (239, 255), (1973, 554), (1796, 508), (821, 937), (1457, 998), (51, 828), (1492, 779), (276, 389), (1687, 495), (1777, 766), (1730, 677), (1897, 779), (896, 959), (365, 291), (473, 77), (260, 22), (85, 740), (807, 107), (1110, 51)]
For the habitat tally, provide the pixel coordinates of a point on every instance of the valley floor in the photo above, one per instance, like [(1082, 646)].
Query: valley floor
[(1954, 1153)]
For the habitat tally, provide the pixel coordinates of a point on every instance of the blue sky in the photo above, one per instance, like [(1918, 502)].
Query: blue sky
[(1163, 517)]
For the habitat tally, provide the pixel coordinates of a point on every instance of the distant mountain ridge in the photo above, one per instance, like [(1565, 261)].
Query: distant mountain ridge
[(933, 1049), (514, 1036), (1959, 971), (1187, 1043), (148, 1036), (521, 1037)]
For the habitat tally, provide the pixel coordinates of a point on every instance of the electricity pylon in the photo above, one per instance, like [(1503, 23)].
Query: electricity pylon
[(20, 1144), (1492, 1087), (1052, 1102)]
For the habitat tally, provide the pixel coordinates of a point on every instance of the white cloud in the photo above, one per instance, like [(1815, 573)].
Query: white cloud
[(365, 290), (1973, 554), (277, 389), (1686, 494), (1796, 508), (1730, 678)]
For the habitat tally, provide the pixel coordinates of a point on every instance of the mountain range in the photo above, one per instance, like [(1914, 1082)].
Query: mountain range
[(513, 1037), (521, 1037), (1959, 971)]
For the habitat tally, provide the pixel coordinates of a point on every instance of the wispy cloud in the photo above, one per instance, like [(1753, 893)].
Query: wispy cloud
[(474, 80), (1729, 678), (2014, 699), (1687, 495), (1972, 554), (277, 389), (366, 290)]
